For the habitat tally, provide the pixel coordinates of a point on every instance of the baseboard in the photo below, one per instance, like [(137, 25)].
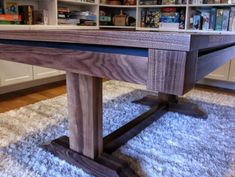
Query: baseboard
[(217, 83), (29, 84)]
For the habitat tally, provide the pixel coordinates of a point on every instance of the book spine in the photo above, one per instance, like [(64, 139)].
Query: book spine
[(219, 19), (213, 18), (225, 21), (26, 13), (232, 19), (205, 20)]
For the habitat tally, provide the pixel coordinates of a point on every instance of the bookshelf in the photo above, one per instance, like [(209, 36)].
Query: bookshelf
[(110, 14)]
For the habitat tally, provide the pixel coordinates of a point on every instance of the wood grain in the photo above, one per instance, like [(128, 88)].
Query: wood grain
[(166, 71), (85, 114), (104, 165), (59, 148), (190, 71), (143, 39), (163, 40), (208, 40), (104, 65), (211, 61)]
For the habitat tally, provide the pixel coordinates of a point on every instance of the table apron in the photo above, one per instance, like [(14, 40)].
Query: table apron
[(121, 67)]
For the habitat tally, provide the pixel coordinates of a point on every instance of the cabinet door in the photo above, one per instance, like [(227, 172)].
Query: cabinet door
[(220, 73), (232, 71), (40, 72), (12, 73)]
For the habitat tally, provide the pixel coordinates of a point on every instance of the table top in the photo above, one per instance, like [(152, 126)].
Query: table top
[(180, 41)]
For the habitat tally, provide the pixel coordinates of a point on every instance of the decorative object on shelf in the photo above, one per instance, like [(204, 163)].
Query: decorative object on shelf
[(40, 17), (26, 13), (105, 19), (114, 2), (129, 2), (123, 20)]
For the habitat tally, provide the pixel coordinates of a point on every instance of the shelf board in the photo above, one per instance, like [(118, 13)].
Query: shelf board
[(157, 29), (78, 2), (185, 30), (124, 27), (211, 32), (210, 5), (168, 5), (27, 27), (76, 27), (117, 6)]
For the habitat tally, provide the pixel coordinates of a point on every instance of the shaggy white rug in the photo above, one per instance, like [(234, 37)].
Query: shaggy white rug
[(176, 145)]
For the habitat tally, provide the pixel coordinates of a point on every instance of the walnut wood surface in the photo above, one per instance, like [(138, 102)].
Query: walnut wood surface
[(105, 65), (166, 71), (155, 40), (103, 166), (211, 61), (179, 41), (173, 104), (85, 114), (190, 71)]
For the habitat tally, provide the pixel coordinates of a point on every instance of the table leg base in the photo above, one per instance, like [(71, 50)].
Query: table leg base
[(185, 108), (104, 165)]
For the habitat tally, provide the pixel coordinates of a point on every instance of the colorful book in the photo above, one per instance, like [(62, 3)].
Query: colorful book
[(205, 20), (197, 22), (26, 13), (219, 19), (10, 17), (225, 23), (10, 7), (232, 19), (212, 18)]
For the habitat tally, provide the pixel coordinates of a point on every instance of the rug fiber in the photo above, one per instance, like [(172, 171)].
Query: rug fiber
[(174, 146)]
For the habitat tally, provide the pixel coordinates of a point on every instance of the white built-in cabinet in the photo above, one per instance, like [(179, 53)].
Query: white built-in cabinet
[(232, 71), (13, 73), (40, 72), (222, 73)]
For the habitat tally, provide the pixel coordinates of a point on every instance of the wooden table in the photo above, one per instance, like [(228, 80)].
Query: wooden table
[(168, 63)]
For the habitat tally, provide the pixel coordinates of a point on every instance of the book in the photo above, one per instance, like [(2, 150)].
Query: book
[(212, 18), (26, 13), (205, 20), (197, 22), (151, 18), (10, 17), (182, 19), (225, 20), (232, 19), (10, 7), (219, 19)]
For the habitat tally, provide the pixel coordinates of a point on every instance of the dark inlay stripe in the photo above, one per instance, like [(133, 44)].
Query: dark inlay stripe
[(82, 47)]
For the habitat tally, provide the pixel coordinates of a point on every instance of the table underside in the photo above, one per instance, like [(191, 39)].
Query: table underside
[(170, 72)]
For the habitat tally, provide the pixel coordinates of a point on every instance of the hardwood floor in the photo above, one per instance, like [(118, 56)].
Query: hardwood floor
[(25, 97)]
